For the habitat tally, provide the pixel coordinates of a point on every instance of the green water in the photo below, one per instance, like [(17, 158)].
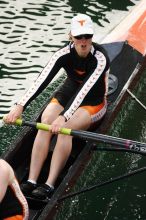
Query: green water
[(30, 32)]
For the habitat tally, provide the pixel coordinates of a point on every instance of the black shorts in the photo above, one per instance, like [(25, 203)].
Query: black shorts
[(66, 91)]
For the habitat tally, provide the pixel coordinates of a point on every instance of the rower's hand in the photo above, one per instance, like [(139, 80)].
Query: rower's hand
[(57, 124), (14, 114)]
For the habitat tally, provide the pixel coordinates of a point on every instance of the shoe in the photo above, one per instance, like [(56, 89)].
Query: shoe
[(43, 192), (27, 187)]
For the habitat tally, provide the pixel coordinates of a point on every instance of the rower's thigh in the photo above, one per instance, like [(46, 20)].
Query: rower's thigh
[(51, 112), (80, 120)]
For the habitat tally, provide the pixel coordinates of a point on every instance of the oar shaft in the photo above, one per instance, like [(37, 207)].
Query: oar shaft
[(96, 137), (109, 140)]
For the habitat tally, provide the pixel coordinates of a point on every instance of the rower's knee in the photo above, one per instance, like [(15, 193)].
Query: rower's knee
[(46, 118), (64, 141), (51, 113), (6, 169)]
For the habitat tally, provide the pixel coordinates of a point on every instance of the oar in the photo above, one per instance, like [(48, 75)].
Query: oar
[(104, 183), (95, 137)]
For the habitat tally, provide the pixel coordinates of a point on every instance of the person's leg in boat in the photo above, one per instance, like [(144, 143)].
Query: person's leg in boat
[(82, 119), (41, 147)]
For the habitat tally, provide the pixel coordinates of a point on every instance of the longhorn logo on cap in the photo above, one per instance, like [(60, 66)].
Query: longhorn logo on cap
[(81, 22)]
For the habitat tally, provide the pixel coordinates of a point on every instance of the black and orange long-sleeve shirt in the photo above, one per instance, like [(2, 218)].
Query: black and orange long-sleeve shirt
[(89, 72)]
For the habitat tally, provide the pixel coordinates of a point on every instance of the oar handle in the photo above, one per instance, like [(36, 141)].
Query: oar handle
[(41, 126)]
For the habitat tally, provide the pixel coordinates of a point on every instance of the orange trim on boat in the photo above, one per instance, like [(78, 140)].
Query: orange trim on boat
[(137, 35), (131, 29)]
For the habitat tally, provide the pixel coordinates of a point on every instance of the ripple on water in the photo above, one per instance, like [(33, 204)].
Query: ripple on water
[(32, 30), (27, 39)]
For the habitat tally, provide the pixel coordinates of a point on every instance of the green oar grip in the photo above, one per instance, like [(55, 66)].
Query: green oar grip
[(18, 121), (43, 127), (65, 131)]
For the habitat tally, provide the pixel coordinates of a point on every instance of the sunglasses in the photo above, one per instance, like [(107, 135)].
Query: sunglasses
[(86, 36)]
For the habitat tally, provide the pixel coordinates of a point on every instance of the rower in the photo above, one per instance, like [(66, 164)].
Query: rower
[(78, 104), (13, 204)]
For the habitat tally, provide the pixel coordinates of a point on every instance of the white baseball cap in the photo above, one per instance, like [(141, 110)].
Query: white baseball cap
[(81, 24)]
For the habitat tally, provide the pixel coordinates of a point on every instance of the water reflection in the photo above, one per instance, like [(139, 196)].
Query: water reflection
[(99, 9), (27, 39), (32, 31)]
